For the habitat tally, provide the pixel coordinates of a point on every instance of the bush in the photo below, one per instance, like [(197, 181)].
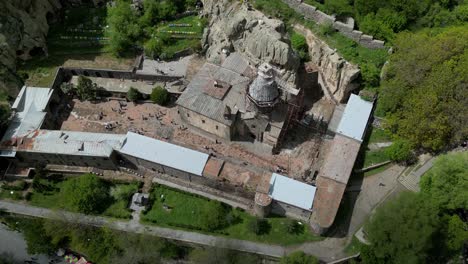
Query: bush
[(299, 257), (159, 96), (86, 194), (133, 94), (400, 151), (86, 89), (15, 186), (259, 226), (293, 227), (326, 29), (299, 44), (214, 216)]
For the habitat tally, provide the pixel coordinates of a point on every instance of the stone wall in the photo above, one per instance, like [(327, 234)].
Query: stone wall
[(336, 76), (204, 123), (280, 208), (311, 12), (66, 72)]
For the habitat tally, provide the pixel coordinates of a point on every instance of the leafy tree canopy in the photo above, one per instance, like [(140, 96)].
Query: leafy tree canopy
[(429, 226), (86, 194), (86, 89), (446, 184), (424, 92), (401, 230)]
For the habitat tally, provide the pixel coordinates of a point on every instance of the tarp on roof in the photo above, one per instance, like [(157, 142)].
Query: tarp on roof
[(164, 153), (292, 192), (355, 117)]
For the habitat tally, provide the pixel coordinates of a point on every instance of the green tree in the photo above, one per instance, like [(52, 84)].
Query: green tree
[(153, 47), (159, 96), (86, 194), (456, 234), (445, 184), (424, 93), (401, 231), (67, 88), (400, 151), (37, 240), (86, 89), (299, 257), (213, 216), (124, 29), (339, 7), (133, 94), (5, 113)]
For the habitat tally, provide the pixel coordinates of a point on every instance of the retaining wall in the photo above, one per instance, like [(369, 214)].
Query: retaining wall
[(311, 12)]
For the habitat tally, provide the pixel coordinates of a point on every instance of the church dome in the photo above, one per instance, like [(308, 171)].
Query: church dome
[(264, 88)]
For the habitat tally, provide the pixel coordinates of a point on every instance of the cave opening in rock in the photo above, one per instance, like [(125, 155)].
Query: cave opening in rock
[(36, 51), (50, 17)]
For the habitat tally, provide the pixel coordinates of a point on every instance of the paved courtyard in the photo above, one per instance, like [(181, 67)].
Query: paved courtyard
[(164, 123)]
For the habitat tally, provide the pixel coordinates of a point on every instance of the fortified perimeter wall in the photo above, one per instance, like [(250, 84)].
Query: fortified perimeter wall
[(311, 12)]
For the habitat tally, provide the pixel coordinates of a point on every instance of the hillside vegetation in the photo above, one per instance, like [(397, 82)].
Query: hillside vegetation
[(383, 19)]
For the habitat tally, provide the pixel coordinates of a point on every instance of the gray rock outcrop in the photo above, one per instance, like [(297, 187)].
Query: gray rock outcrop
[(23, 30), (236, 28), (337, 77)]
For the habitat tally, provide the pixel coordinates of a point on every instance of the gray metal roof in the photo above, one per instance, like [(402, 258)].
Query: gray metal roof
[(29, 108), (164, 153), (355, 117), (194, 98), (292, 192), (73, 143)]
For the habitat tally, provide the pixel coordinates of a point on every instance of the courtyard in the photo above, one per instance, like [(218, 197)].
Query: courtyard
[(163, 123)]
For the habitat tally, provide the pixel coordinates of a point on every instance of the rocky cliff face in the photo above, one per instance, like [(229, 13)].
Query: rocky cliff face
[(23, 30), (337, 77), (236, 28)]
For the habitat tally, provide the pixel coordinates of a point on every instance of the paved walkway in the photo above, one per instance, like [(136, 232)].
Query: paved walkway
[(374, 190), (136, 227), (327, 250)]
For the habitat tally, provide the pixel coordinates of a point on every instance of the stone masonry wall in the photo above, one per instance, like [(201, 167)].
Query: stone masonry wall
[(311, 12)]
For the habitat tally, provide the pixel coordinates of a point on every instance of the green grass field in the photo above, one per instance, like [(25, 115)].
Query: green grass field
[(179, 41), (378, 135), (73, 42), (187, 209), (52, 198), (372, 157)]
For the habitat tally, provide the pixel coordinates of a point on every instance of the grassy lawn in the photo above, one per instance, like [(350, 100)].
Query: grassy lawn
[(77, 41), (52, 198), (372, 157), (182, 37), (378, 135), (186, 212), (10, 195)]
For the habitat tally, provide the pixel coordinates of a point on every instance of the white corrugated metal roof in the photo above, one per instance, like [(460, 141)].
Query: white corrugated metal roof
[(32, 97), (355, 117), (76, 143), (164, 153), (29, 108), (292, 192)]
